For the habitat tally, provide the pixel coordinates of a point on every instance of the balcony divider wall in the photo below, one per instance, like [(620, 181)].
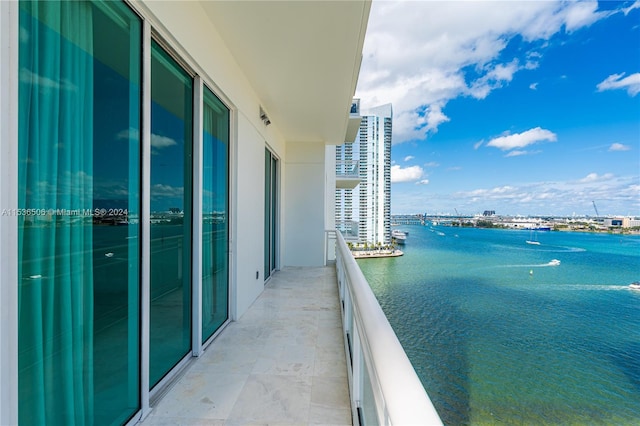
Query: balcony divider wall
[(105, 140)]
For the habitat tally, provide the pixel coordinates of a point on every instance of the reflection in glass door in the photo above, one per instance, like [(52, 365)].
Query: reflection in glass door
[(270, 210), (215, 214), (170, 258)]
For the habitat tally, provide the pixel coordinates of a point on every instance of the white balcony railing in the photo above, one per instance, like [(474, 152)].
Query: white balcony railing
[(384, 387), (348, 168), (347, 174), (348, 229)]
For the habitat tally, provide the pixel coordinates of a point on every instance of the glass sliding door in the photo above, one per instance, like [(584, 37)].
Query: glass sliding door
[(215, 214), (171, 170), (79, 167), (270, 210)]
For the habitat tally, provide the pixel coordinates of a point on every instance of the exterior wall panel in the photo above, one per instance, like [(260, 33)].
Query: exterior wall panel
[(303, 213)]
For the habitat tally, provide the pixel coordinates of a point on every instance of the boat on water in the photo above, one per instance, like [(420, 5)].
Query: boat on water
[(399, 236), (635, 285), (554, 262), (533, 239)]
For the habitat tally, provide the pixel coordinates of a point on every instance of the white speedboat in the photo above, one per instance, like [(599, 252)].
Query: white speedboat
[(635, 285), (554, 262)]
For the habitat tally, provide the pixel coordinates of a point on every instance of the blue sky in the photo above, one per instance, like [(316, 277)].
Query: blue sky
[(529, 108)]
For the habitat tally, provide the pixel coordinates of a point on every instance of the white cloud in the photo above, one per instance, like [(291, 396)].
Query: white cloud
[(521, 140), (619, 147), (594, 177), (431, 164), (407, 174), (611, 192), (582, 14), (518, 153), (423, 182), (46, 83), (533, 86), (493, 79), (635, 5), (159, 191), (618, 81), (421, 55), (409, 158), (158, 141), (128, 133)]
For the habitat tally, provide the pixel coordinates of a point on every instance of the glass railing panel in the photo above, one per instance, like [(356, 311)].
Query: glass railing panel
[(347, 168), (368, 415)]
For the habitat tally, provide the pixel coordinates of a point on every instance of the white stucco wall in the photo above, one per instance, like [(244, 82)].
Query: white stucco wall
[(304, 205), (187, 28), (249, 218)]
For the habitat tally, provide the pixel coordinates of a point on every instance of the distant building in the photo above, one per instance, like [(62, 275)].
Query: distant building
[(489, 213), (621, 222), (371, 152), (375, 175)]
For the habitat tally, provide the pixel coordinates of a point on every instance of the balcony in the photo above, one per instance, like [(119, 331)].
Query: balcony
[(315, 348), (282, 362), (347, 174)]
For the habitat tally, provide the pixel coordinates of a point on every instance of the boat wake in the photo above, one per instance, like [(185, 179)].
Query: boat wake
[(557, 249), (564, 249), (592, 287), (554, 262)]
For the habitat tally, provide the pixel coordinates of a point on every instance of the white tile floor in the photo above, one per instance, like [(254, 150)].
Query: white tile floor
[(282, 363)]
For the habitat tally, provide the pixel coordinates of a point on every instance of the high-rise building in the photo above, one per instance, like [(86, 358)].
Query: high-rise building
[(375, 175), (372, 151)]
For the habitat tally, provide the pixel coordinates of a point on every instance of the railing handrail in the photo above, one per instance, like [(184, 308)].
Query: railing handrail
[(404, 399)]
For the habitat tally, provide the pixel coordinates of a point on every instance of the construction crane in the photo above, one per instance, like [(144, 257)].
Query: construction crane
[(596, 209), (457, 214)]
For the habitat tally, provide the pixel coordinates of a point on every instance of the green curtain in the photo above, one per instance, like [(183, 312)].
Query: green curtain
[(55, 243)]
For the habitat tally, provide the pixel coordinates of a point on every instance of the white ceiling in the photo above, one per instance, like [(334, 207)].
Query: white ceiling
[(302, 58)]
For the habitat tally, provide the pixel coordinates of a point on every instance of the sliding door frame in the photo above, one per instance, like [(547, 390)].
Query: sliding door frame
[(9, 29)]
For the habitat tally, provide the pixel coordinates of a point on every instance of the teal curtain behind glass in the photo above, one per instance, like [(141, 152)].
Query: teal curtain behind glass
[(55, 172)]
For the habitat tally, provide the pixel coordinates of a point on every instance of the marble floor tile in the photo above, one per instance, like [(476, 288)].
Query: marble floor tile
[(273, 399), (282, 363)]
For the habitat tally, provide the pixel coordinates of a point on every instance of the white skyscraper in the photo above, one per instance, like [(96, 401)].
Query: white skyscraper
[(372, 150), (375, 175)]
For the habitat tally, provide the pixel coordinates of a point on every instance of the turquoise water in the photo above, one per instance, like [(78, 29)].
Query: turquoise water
[(498, 336)]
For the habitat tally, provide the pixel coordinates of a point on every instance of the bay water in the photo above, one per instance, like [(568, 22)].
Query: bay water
[(500, 335)]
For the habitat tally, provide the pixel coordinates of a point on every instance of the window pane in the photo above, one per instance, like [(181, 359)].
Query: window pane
[(79, 121), (215, 226), (171, 141)]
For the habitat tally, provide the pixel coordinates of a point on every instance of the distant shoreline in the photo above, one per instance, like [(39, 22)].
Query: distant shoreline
[(562, 229), (556, 228)]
